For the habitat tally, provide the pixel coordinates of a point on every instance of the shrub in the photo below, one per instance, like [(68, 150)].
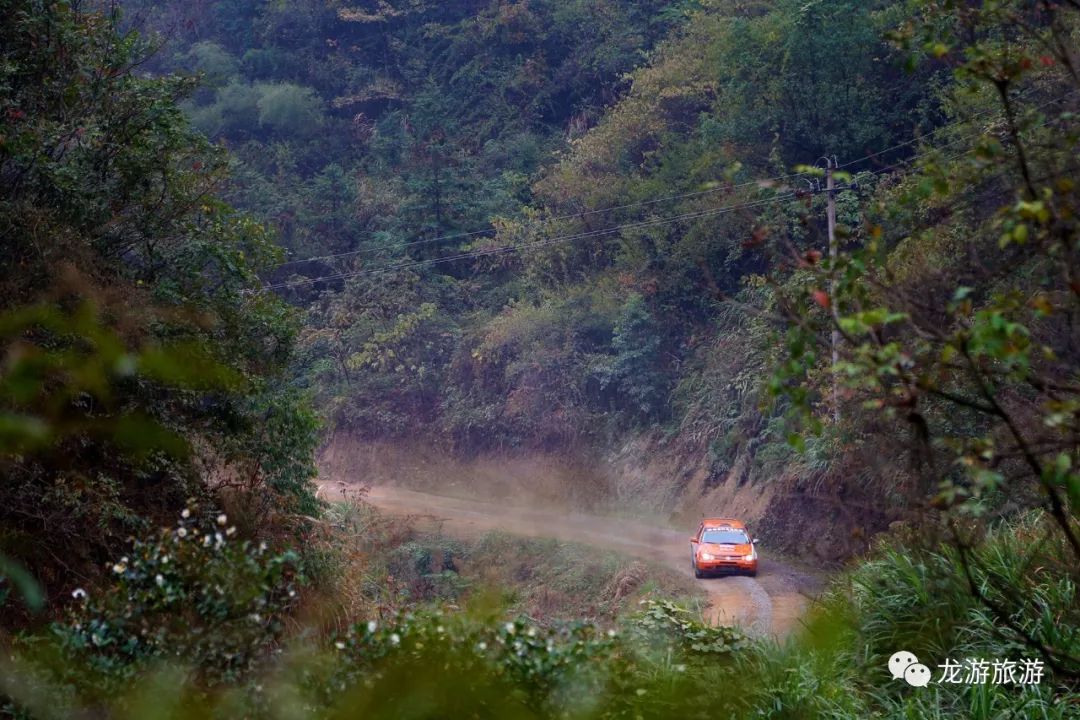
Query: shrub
[(193, 595), (637, 344), (210, 58), (663, 662), (288, 109)]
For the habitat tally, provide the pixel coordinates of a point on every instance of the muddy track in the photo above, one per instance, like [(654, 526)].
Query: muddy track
[(771, 603)]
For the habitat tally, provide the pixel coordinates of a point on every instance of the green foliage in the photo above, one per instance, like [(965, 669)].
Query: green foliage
[(289, 109), (659, 663), (368, 132), (62, 360), (531, 667), (922, 600), (364, 131), (212, 59), (194, 592), (690, 122), (236, 108), (668, 623), (138, 356), (637, 366), (968, 356)]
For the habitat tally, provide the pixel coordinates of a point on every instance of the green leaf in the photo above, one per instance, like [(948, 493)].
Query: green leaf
[(27, 586)]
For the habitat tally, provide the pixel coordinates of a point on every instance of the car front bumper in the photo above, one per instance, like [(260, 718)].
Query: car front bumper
[(722, 564)]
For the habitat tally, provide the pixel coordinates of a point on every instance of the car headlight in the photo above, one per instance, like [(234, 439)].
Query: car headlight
[(706, 556)]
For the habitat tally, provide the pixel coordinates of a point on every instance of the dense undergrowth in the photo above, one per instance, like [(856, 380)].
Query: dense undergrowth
[(180, 639)]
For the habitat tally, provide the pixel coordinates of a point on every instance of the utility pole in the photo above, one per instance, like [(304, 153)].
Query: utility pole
[(830, 192)]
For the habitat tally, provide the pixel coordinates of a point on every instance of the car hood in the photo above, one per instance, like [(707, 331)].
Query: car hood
[(716, 549)]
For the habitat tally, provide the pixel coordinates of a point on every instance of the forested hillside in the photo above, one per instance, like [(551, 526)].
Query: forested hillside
[(137, 362), (506, 126), (390, 135), (821, 254), (502, 267)]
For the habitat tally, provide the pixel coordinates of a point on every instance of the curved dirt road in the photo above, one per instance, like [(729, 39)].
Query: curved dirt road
[(770, 604)]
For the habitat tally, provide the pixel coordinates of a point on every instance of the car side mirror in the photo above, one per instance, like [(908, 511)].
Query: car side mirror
[(693, 540), (754, 541)]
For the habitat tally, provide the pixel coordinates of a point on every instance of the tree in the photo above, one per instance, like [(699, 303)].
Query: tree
[(288, 109), (143, 362), (956, 305), (637, 343)]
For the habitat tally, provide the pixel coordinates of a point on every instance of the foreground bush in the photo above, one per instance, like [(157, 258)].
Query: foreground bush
[(203, 634), (918, 599)]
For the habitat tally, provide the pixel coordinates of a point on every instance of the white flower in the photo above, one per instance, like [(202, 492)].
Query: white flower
[(440, 629), (164, 559), (206, 541), (339, 645), (395, 639), (292, 593), (182, 532), (481, 646), (532, 632), (222, 519), (159, 579), (611, 633), (510, 628), (372, 626), (255, 617), (120, 567), (78, 594), (231, 531), (185, 514)]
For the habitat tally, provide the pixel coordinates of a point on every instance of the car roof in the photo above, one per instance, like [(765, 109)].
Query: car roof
[(722, 522)]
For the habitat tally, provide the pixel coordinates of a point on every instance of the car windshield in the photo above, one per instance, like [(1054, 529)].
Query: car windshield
[(724, 537)]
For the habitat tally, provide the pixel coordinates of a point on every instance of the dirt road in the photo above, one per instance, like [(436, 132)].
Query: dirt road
[(771, 603)]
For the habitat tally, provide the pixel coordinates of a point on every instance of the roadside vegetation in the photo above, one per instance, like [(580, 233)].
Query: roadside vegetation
[(371, 564), (224, 641), (653, 266)]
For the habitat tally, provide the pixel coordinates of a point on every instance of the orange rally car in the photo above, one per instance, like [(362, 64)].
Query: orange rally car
[(723, 545)]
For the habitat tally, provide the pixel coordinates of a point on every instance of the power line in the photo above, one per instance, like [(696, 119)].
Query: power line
[(935, 131), (568, 216), (654, 201), (504, 249), (559, 239), (647, 223), (963, 138)]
